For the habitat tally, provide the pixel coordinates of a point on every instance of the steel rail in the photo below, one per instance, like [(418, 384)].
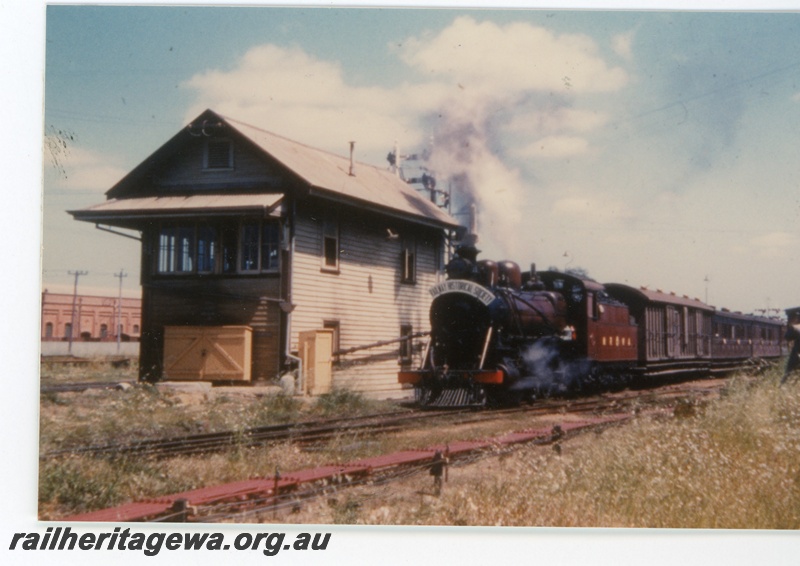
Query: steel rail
[(319, 430), (244, 495), (304, 432)]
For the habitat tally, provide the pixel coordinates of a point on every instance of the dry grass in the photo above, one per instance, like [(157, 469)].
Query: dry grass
[(74, 484), (732, 464)]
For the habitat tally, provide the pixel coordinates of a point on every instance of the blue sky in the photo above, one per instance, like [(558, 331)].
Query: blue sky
[(651, 148)]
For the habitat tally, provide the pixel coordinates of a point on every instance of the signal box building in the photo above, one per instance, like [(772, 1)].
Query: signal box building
[(253, 244)]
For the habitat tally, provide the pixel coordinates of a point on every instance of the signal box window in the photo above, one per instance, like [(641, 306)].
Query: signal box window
[(270, 246), (330, 245), (206, 249), (176, 249), (248, 248), (408, 261)]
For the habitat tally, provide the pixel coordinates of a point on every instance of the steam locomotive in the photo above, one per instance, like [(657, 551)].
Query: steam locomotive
[(501, 336)]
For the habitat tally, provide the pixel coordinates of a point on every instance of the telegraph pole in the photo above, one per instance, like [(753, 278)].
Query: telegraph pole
[(74, 303), (121, 275)]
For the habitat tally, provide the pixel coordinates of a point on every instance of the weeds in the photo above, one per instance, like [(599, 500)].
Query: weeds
[(735, 465), (343, 402), (80, 485), (74, 484), (732, 463), (276, 409), (346, 512)]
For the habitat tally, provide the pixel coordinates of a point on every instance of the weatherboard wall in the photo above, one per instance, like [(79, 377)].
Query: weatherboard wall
[(365, 295)]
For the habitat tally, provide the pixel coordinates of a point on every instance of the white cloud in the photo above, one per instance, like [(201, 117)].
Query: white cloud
[(76, 168), (484, 56), (287, 91), (623, 45), (592, 209), (775, 245)]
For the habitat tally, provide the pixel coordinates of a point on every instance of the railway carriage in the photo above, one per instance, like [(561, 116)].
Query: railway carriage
[(738, 337), (674, 332)]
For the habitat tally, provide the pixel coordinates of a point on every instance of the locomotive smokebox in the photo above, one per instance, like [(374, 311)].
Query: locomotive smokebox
[(459, 323)]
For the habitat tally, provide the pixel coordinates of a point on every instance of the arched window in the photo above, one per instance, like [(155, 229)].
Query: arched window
[(48, 330)]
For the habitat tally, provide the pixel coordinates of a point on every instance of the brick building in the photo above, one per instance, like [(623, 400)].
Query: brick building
[(93, 318)]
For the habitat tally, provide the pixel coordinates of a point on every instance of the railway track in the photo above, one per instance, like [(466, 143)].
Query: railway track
[(263, 496), (269, 494), (301, 433), (83, 386), (318, 431)]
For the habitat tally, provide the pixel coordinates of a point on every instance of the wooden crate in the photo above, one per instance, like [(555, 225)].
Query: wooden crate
[(208, 353)]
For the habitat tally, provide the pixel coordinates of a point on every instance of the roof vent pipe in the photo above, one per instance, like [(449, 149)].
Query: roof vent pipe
[(352, 146)]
